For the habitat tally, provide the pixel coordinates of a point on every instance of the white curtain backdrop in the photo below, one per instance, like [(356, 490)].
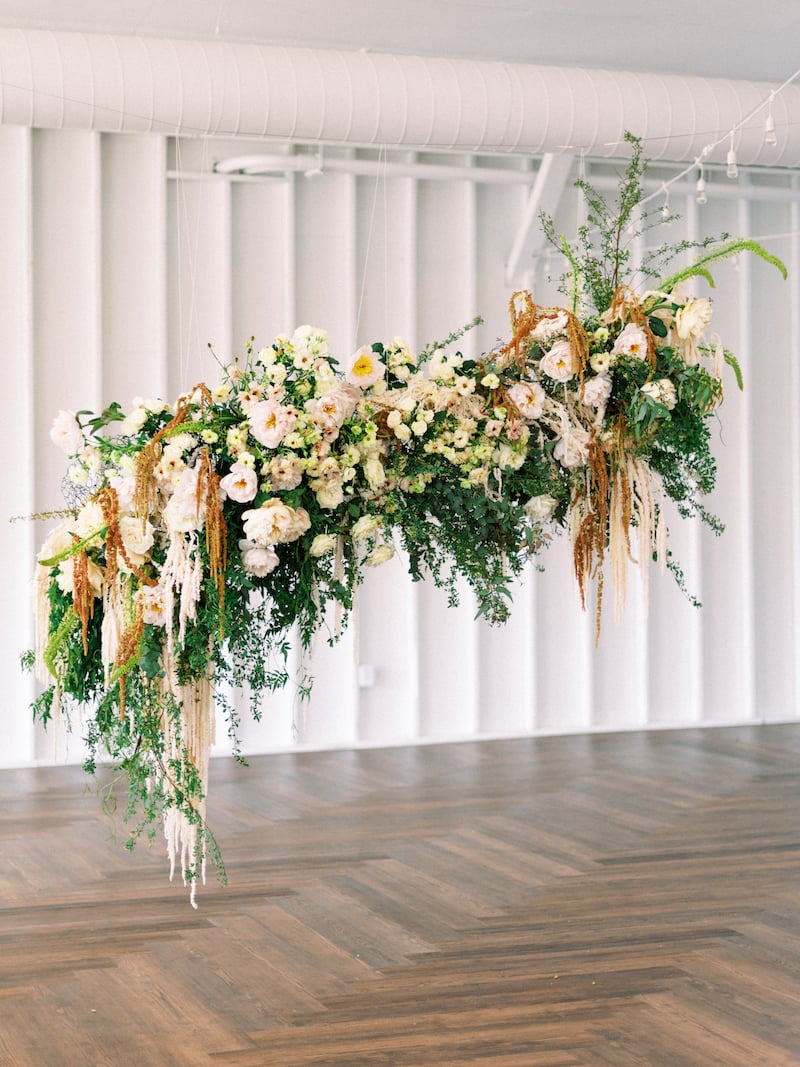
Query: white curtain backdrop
[(124, 256)]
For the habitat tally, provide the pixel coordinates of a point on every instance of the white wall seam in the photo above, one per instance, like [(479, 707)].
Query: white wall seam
[(747, 578), (794, 273)]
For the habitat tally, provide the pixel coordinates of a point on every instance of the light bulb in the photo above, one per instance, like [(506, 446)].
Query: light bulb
[(769, 130), (701, 191), (733, 170)]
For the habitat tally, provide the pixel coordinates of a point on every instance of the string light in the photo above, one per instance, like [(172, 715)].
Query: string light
[(701, 188), (770, 137), (665, 215), (732, 169)]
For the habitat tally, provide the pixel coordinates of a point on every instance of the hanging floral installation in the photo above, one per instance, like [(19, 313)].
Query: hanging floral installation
[(205, 536)]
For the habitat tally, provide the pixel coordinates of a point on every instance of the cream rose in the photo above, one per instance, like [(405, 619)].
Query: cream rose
[(322, 544), (662, 391), (366, 526), (380, 554), (540, 508), (275, 523)]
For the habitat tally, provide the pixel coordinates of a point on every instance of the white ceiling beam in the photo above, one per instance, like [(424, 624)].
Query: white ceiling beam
[(221, 89)]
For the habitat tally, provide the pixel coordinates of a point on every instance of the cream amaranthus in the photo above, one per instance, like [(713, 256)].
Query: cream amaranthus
[(202, 534)]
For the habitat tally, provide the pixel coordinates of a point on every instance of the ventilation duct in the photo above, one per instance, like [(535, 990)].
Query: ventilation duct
[(119, 83)]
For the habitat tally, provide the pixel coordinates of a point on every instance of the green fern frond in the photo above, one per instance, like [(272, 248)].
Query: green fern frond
[(723, 251)]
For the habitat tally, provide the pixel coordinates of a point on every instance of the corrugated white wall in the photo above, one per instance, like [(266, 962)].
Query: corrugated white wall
[(123, 257)]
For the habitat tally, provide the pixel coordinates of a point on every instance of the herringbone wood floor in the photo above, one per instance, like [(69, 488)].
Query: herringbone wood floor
[(609, 901)]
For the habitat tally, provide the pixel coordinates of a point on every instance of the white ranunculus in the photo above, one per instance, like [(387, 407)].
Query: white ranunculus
[(528, 399), (322, 544), (66, 434), (275, 523), (241, 484), (596, 391), (559, 363), (258, 560), (631, 342)]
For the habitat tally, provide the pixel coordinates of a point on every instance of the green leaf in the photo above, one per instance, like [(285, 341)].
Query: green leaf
[(657, 327)]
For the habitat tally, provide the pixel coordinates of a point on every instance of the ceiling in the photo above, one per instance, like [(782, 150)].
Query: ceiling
[(715, 38)]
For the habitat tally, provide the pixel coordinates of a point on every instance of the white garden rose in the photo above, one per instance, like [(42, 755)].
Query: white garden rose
[(507, 457), (550, 326), (66, 434), (528, 399), (572, 450), (241, 484), (153, 601), (329, 492), (65, 577), (631, 342), (137, 536), (275, 523), (559, 363), (375, 472), (258, 560), (691, 320), (596, 391), (270, 422)]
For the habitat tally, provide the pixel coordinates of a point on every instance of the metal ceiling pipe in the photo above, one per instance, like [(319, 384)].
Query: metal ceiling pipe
[(213, 88)]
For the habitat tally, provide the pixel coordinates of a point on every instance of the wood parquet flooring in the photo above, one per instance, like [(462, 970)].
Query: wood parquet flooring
[(627, 900)]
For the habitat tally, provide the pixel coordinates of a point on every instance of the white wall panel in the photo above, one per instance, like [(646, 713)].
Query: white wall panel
[(141, 257), (17, 539)]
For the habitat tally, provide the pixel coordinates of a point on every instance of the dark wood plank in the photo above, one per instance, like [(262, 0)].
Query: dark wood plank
[(607, 901)]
